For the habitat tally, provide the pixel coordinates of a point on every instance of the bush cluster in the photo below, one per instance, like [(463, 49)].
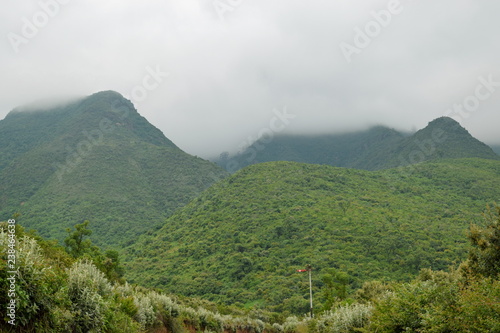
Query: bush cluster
[(58, 293)]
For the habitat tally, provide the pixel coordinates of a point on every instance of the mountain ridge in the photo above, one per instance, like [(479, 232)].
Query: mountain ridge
[(242, 239), (378, 147), (96, 158)]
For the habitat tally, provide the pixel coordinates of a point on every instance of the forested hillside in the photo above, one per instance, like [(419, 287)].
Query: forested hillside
[(59, 289), (242, 240), (80, 289), (373, 149), (94, 159)]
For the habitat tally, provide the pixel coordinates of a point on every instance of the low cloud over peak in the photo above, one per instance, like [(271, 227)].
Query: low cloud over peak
[(210, 74)]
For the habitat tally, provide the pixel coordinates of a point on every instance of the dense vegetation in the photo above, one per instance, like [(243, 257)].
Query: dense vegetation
[(373, 149), (94, 159), (65, 290), (59, 291), (466, 299), (387, 248), (342, 150), (242, 240)]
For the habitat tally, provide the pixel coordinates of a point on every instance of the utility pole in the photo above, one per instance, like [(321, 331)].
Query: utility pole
[(309, 268)]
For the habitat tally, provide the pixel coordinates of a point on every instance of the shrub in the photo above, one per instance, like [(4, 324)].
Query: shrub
[(477, 309), (86, 287), (345, 319), (290, 324), (409, 306), (145, 312), (35, 284), (84, 274)]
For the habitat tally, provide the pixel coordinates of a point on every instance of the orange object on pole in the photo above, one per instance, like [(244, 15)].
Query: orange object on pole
[(309, 269)]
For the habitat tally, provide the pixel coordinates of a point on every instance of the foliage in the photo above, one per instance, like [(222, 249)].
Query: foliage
[(78, 246), (94, 159), (335, 287), (75, 243), (373, 149), (40, 274), (372, 292), (87, 289), (407, 308), (460, 301), (358, 149), (75, 296), (57, 293), (476, 309), (484, 256), (242, 240), (345, 319)]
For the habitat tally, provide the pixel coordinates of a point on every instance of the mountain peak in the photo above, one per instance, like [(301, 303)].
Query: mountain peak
[(107, 94), (98, 152), (443, 137), (442, 125), (445, 122), (376, 148)]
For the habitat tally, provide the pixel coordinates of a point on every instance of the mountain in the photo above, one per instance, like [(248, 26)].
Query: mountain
[(376, 148), (343, 150), (442, 138), (94, 159), (243, 239)]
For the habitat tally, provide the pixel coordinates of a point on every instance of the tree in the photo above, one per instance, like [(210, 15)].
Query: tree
[(77, 246), (344, 204), (111, 265), (484, 257), (75, 243), (335, 287)]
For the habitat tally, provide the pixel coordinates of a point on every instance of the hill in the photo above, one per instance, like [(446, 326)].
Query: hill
[(94, 159), (243, 239), (442, 138), (376, 148), (53, 288), (58, 293)]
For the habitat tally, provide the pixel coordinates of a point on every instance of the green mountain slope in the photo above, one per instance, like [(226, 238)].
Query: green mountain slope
[(243, 239), (94, 159), (344, 150), (373, 149), (442, 138), (58, 293)]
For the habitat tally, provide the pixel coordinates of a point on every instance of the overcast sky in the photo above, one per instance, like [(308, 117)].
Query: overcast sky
[(233, 65)]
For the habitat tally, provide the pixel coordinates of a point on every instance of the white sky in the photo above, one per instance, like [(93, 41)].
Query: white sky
[(227, 75)]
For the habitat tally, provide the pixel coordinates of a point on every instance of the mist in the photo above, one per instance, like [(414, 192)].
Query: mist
[(212, 78), (47, 104)]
